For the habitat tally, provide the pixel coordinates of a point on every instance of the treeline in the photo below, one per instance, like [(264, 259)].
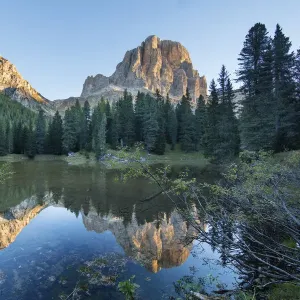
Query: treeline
[(268, 116)]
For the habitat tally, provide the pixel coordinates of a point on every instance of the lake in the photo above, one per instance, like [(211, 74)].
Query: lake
[(65, 227)]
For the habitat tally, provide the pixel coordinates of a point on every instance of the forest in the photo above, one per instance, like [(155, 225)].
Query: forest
[(268, 117)]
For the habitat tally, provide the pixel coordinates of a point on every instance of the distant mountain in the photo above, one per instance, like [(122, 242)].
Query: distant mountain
[(17, 88), (155, 64)]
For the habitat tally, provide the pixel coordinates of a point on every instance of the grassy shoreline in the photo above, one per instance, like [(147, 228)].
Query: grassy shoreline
[(170, 157)]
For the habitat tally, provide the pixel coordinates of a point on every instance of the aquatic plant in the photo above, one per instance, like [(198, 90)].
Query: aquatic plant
[(128, 288)]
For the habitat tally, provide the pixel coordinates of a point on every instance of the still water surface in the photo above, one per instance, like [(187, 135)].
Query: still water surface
[(63, 226)]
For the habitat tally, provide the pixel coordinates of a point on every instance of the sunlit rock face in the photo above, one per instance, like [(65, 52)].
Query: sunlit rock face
[(156, 64), (17, 88), (159, 244), (15, 219)]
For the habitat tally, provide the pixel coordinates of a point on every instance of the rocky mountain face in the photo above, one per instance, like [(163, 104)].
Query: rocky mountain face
[(17, 88), (156, 64)]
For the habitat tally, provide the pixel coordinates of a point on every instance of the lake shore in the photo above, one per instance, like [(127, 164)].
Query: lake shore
[(175, 157)]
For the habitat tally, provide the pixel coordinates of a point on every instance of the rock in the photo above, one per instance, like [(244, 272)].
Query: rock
[(156, 64), (17, 88)]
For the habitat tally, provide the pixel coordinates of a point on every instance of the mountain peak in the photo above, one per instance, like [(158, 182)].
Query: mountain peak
[(16, 87), (155, 64)]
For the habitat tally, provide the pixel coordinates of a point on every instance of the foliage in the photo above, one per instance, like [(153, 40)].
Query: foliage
[(128, 288)]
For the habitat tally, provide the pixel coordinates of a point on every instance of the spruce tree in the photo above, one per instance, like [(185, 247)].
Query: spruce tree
[(172, 128), (101, 139), (160, 143), (40, 132), (150, 123), (201, 124), (186, 124), (127, 120), (213, 123), (3, 145), (255, 68), (287, 113), (56, 134), (69, 132), (139, 116), (30, 147), (86, 127)]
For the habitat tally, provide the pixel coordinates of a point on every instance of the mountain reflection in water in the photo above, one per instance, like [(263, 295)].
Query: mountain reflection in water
[(40, 236)]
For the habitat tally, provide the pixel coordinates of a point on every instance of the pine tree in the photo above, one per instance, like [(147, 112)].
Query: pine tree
[(150, 123), (3, 145), (127, 120), (160, 143), (139, 116), (30, 147), (115, 127), (86, 127), (257, 118), (172, 128), (69, 132), (213, 119), (287, 118), (186, 124), (40, 133), (56, 134), (101, 140), (108, 123), (201, 124)]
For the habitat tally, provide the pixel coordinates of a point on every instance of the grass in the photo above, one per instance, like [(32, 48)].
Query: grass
[(172, 157), (284, 291)]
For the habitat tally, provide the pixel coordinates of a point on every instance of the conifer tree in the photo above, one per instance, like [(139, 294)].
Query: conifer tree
[(40, 132), (150, 123), (172, 128), (3, 146), (86, 127), (201, 124), (257, 118), (213, 122), (30, 147), (287, 112), (101, 139), (186, 124), (69, 132), (139, 116), (127, 120), (56, 133)]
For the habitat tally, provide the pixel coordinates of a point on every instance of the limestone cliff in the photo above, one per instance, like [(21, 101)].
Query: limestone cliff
[(156, 64), (17, 88)]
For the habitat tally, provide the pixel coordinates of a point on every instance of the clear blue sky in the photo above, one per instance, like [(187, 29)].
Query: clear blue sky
[(56, 44)]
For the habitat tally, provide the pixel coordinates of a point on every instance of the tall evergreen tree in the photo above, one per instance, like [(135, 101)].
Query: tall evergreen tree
[(30, 147), (254, 73), (139, 116), (69, 132), (201, 124), (56, 133), (101, 140), (40, 132), (86, 138), (127, 120), (186, 124), (150, 123), (3, 145), (213, 120), (287, 112)]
